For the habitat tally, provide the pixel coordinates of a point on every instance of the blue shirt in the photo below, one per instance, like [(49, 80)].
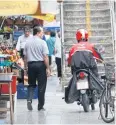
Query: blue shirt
[(51, 45)]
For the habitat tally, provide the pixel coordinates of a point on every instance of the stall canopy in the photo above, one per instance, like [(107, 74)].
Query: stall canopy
[(38, 9), (19, 7), (52, 26), (47, 17)]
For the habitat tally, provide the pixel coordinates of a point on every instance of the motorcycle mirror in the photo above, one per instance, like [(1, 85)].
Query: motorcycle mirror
[(101, 50)]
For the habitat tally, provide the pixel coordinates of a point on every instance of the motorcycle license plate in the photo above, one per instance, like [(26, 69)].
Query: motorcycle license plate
[(82, 84)]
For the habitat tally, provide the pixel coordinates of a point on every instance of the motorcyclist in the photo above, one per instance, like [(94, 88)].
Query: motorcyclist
[(84, 54)]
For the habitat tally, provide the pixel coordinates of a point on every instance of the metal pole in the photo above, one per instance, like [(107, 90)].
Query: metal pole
[(62, 40), (112, 18)]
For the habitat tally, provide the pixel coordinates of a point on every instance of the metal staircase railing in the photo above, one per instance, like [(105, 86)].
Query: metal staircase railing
[(113, 21)]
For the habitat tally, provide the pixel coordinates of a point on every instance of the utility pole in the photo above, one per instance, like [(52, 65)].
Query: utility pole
[(62, 42)]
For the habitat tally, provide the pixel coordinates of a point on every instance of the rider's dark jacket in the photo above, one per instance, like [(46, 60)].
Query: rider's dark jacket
[(83, 55)]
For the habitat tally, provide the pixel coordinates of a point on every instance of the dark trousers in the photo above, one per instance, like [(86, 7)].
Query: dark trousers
[(50, 60), (58, 63), (37, 71), (22, 53)]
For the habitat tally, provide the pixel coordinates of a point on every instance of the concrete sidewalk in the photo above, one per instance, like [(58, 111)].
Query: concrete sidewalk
[(57, 111)]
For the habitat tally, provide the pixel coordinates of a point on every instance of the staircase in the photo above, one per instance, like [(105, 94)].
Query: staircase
[(93, 16)]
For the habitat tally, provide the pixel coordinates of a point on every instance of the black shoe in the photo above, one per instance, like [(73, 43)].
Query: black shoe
[(41, 108), (29, 105)]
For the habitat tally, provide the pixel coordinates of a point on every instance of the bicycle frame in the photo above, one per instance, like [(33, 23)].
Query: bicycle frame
[(106, 94)]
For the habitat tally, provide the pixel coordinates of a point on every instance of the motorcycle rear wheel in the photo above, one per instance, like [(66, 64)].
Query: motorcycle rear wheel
[(85, 102)]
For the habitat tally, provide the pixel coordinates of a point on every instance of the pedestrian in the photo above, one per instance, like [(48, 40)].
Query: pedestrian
[(23, 39), (58, 57), (51, 44), (36, 55)]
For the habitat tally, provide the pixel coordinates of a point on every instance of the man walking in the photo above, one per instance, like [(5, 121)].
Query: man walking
[(36, 55), (23, 39)]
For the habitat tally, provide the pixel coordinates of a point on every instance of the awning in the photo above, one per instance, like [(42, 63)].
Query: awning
[(52, 26), (47, 17), (18, 7), (37, 9)]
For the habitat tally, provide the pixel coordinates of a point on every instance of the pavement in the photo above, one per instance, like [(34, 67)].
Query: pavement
[(56, 110)]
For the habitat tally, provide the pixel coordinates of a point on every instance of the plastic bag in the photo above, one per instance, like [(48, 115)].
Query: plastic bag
[(20, 62)]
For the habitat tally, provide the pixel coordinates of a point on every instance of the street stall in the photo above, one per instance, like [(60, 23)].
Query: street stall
[(7, 81), (9, 58), (14, 25)]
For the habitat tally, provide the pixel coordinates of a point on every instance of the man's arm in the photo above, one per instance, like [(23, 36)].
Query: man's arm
[(25, 57), (46, 61), (25, 62), (45, 56)]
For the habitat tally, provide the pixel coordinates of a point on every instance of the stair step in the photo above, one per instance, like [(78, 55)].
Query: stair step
[(84, 2), (93, 20), (76, 26), (83, 26), (73, 10), (89, 37), (98, 23), (81, 5), (94, 33), (86, 16), (83, 13), (109, 29)]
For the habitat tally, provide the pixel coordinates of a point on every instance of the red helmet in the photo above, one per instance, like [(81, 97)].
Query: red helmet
[(82, 34)]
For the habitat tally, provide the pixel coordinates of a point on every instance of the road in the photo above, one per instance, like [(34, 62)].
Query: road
[(57, 111)]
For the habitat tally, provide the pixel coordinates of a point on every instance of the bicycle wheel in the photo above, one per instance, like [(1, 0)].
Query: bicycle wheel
[(107, 106)]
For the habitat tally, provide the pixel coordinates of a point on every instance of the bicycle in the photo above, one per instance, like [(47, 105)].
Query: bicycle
[(107, 98)]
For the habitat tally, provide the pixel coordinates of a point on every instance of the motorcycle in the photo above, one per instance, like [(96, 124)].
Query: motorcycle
[(84, 95)]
